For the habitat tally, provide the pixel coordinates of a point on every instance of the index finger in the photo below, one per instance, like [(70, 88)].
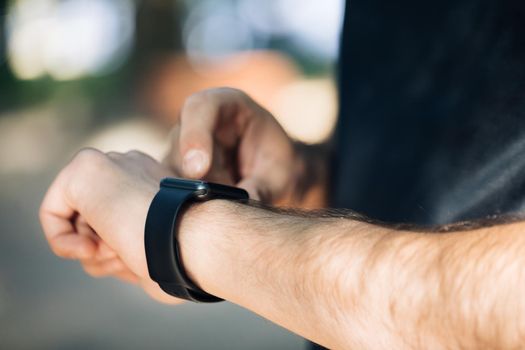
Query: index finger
[(198, 122)]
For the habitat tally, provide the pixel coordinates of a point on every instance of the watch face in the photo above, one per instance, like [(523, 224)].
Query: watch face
[(205, 190), (185, 184)]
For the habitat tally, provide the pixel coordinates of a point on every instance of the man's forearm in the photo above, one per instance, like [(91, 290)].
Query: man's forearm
[(346, 283)]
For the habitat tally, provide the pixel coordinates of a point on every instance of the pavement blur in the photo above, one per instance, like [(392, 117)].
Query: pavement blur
[(49, 303), (114, 75)]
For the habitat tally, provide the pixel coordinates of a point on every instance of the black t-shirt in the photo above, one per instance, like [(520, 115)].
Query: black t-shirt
[(432, 121)]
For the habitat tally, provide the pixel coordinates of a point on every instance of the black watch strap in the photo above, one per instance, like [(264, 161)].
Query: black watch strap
[(162, 248)]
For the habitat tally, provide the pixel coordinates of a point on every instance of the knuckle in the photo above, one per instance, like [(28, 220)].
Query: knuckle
[(89, 153), (113, 154), (85, 166), (89, 157), (212, 96), (206, 96), (135, 153), (231, 91), (195, 100), (225, 93)]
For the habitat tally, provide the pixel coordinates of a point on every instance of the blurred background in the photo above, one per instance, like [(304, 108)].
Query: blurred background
[(113, 74)]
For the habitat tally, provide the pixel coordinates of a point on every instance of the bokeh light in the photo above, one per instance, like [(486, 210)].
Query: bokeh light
[(68, 39), (213, 32), (214, 29)]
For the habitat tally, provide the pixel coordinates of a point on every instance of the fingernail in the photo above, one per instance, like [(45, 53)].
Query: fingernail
[(194, 163)]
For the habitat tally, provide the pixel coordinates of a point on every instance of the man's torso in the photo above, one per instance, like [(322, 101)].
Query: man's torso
[(432, 125)]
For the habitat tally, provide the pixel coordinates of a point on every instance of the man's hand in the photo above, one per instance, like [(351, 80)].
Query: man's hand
[(95, 212), (224, 136)]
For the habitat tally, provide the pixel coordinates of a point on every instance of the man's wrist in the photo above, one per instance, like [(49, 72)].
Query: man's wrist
[(202, 242), (228, 247)]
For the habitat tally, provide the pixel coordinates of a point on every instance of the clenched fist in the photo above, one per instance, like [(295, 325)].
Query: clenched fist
[(95, 212)]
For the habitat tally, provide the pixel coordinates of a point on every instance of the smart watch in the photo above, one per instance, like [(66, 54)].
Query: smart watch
[(160, 237)]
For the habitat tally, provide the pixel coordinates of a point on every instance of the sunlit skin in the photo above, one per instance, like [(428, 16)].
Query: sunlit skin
[(337, 281)]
